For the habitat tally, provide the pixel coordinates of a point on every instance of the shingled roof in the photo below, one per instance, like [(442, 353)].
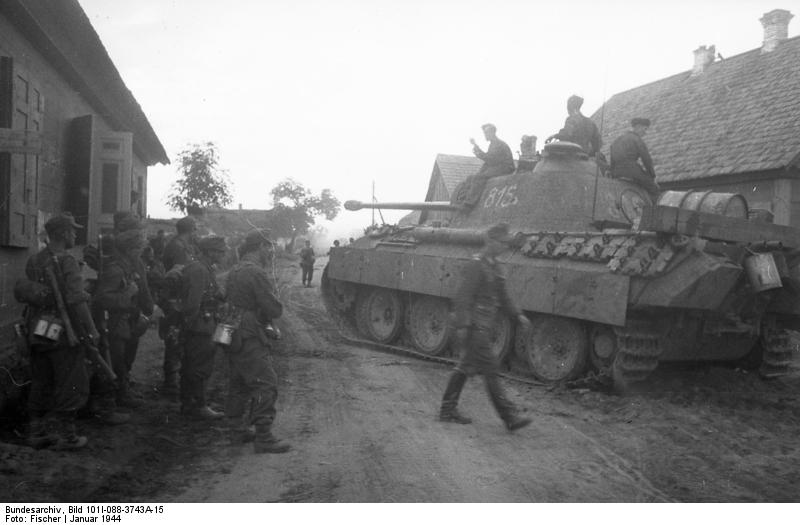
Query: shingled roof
[(740, 115), (455, 168)]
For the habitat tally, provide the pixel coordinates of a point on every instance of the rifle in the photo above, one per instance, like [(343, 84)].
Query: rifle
[(91, 350)]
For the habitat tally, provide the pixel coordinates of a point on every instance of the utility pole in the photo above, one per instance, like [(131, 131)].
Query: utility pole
[(373, 200)]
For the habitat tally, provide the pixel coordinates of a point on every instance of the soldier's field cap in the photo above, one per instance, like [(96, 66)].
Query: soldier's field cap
[(499, 232), (212, 243), (129, 240), (125, 220), (61, 222), (490, 126), (638, 121), (256, 238), (186, 225)]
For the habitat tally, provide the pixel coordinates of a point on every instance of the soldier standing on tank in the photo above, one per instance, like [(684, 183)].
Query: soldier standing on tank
[(253, 381), (180, 250), (578, 128), (59, 377), (119, 293), (626, 154), (481, 296), (307, 263), (200, 305)]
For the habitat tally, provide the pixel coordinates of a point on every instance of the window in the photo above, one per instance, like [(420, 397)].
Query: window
[(110, 187)]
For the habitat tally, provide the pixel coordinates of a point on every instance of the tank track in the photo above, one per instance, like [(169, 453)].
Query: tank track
[(778, 346), (637, 356)]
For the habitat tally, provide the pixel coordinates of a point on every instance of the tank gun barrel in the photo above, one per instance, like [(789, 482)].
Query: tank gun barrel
[(431, 206)]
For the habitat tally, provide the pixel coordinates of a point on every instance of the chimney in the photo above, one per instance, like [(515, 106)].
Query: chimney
[(776, 28), (703, 57)]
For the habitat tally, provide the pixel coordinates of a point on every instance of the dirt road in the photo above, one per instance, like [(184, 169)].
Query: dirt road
[(363, 427)]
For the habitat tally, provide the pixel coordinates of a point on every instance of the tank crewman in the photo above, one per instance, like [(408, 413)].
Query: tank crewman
[(307, 263), (626, 154), (253, 381), (200, 305), (497, 160), (181, 249), (335, 245), (578, 128), (59, 377), (481, 295), (118, 292)]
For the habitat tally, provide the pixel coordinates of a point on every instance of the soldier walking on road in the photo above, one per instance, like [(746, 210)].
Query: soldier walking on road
[(253, 382), (200, 306), (481, 295), (59, 378), (307, 263)]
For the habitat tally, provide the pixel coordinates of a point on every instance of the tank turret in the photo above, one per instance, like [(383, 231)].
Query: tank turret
[(610, 279)]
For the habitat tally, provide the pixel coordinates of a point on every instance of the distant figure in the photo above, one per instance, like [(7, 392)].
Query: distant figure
[(182, 248), (335, 245), (579, 129), (626, 154), (497, 161), (481, 295), (158, 243), (307, 263), (351, 241)]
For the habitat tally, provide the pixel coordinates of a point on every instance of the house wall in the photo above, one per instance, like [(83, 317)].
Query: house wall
[(437, 191), (62, 104)]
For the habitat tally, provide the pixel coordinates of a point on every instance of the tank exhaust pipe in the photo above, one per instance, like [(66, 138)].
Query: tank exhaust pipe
[(431, 206)]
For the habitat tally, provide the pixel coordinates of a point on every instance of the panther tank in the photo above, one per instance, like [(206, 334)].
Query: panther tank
[(612, 278)]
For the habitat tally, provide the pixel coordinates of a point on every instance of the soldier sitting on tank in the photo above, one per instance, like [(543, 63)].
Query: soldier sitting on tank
[(497, 161), (578, 128), (630, 159)]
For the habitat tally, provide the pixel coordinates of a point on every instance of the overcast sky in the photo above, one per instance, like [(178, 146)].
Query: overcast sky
[(336, 94)]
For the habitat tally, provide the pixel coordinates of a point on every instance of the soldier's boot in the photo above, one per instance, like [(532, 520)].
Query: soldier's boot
[(505, 409), (202, 412), (266, 443), (241, 431), (125, 397), (40, 433), (68, 438), (448, 412), (170, 387)]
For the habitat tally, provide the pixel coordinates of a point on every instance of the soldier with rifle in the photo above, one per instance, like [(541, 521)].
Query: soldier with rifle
[(61, 334)]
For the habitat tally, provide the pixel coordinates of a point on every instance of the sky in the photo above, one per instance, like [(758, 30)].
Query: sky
[(342, 94)]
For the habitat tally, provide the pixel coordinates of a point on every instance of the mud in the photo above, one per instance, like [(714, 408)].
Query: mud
[(363, 428)]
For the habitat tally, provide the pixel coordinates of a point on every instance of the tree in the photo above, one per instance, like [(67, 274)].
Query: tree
[(296, 208), (201, 183)]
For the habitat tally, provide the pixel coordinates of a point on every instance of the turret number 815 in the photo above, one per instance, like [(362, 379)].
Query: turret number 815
[(501, 197)]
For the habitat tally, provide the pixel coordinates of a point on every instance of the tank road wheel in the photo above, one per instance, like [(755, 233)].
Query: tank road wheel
[(603, 348), (502, 337), (338, 296), (428, 324), (556, 348), (777, 347), (379, 314), (636, 357)]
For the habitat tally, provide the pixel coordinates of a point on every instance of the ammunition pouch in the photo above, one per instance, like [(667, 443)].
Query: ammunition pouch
[(45, 331)]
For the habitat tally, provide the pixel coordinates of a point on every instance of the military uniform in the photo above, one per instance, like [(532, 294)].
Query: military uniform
[(253, 381), (497, 160), (307, 264), (180, 250), (582, 131), (626, 151), (59, 377), (199, 311), (120, 293), (481, 296)]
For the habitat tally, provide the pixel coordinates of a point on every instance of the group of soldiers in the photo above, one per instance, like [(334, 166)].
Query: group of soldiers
[(68, 319), (630, 159)]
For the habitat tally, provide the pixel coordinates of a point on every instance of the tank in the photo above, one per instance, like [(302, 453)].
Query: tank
[(612, 279)]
